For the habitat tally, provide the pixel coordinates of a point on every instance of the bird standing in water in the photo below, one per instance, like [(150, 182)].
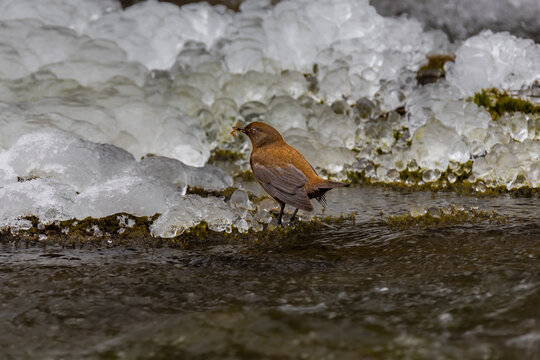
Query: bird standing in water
[(282, 171)]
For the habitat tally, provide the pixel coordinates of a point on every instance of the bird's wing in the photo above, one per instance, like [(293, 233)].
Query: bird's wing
[(284, 184)]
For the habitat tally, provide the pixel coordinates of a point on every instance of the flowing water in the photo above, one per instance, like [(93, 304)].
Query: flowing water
[(356, 290)]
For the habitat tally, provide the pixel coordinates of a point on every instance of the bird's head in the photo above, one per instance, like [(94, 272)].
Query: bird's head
[(260, 133)]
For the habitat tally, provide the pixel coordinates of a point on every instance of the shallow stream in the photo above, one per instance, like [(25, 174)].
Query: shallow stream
[(360, 289)]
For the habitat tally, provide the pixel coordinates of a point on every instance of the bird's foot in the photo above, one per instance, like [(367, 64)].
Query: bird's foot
[(291, 221)]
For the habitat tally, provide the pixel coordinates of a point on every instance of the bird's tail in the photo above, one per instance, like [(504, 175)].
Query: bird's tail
[(324, 186)]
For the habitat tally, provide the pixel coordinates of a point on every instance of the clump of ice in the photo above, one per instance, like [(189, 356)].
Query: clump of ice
[(182, 175), (49, 200), (152, 33), (435, 145), (507, 163), (57, 176), (352, 46), (64, 157), (442, 102), (122, 120), (240, 199), (74, 14), (496, 60), (190, 211)]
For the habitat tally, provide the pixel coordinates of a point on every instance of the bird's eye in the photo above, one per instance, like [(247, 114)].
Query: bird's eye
[(253, 130)]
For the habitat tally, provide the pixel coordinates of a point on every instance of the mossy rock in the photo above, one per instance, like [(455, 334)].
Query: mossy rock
[(124, 228), (246, 175), (132, 231), (459, 186), (202, 192), (444, 217), (498, 103), (224, 155)]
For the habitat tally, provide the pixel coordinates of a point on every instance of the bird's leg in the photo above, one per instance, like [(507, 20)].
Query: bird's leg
[(282, 204), (293, 215)]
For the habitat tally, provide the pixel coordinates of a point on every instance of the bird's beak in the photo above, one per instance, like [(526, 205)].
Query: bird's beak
[(236, 129)]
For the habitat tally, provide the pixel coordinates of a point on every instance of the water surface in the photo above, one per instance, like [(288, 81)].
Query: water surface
[(360, 289)]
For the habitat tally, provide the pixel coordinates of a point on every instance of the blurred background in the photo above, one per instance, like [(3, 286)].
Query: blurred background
[(459, 19)]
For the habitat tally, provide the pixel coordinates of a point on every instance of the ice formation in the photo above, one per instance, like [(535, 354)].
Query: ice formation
[(461, 19), (57, 176), (496, 60), (105, 110)]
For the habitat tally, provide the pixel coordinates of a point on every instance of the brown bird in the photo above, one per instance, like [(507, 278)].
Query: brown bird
[(282, 171)]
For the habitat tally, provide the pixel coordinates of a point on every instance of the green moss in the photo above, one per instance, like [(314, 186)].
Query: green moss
[(460, 186), (461, 173), (444, 217), (416, 175), (246, 175), (356, 177), (224, 155), (27, 178), (127, 230), (500, 102), (199, 232), (124, 228), (483, 99), (147, 156), (202, 192), (311, 78), (290, 234), (509, 104)]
